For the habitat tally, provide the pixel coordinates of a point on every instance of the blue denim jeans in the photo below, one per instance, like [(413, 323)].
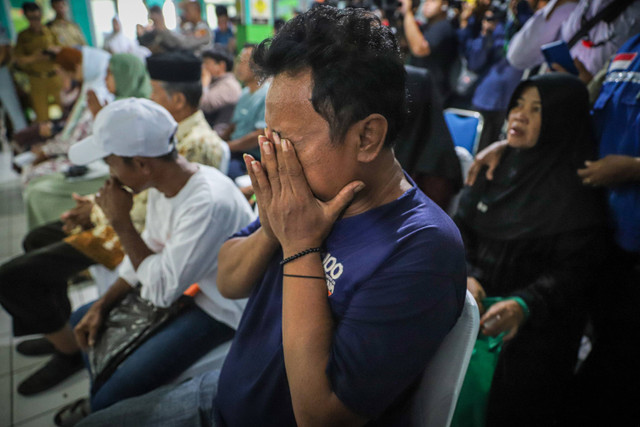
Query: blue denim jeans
[(187, 404), (161, 358)]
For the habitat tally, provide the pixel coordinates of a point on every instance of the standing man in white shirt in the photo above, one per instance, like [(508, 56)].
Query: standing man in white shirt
[(191, 211)]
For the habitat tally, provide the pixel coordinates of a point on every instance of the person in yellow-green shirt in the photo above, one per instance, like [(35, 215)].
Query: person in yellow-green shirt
[(34, 52)]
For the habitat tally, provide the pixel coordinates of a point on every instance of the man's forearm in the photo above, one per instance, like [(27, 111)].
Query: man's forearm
[(417, 43), (26, 59), (133, 245), (115, 293), (634, 169), (242, 262), (246, 142), (307, 328)]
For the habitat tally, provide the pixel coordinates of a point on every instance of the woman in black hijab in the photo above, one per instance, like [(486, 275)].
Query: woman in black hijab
[(534, 235)]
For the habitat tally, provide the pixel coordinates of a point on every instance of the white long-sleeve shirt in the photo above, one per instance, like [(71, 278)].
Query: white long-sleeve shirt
[(186, 232), (524, 48), (609, 36)]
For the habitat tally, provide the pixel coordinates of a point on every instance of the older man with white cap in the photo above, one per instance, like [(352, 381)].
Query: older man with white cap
[(191, 211)]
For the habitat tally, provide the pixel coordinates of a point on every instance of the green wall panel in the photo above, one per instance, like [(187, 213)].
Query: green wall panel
[(81, 15)]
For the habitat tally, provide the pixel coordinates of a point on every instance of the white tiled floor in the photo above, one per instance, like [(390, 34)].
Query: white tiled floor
[(17, 410)]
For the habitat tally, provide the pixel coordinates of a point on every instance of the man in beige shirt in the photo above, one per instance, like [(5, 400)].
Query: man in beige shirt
[(67, 32)]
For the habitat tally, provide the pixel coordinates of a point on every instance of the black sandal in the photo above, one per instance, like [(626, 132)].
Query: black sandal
[(35, 347), (73, 413)]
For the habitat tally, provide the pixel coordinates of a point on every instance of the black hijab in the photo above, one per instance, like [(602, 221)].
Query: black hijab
[(536, 192)]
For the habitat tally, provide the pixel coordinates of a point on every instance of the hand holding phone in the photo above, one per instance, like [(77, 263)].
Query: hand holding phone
[(558, 52)]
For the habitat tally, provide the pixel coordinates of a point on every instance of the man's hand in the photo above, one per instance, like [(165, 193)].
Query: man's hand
[(477, 291), (205, 77), (297, 219), (610, 171), (79, 216), (489, 157), (87, 330), (45, 129), (41, 156), (467, 10), (115, 202), (583, 74), (405, 6), (94, 103), (501, 317)]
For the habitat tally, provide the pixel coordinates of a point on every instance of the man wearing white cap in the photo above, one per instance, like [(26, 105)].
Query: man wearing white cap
[(191, 211)]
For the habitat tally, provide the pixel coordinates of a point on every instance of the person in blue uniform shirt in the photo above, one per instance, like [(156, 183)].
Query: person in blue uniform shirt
[(610, 376)]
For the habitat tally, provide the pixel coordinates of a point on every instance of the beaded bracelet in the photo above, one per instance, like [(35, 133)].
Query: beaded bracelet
[(300, 254)]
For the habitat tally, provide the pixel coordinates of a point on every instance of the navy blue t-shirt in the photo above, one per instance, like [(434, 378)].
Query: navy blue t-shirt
[(396, 283)]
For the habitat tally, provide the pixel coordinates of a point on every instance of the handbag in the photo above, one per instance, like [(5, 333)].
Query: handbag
[(128, 324), (471, 409)]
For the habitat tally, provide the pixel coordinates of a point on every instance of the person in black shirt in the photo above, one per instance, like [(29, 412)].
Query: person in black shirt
[(535, 236), (433, 45)]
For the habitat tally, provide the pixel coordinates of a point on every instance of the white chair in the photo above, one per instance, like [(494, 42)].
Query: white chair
[(436, 398), (226, 158), (466, 160)]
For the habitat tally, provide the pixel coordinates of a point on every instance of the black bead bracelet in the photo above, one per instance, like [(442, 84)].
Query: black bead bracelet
[(300, 254)]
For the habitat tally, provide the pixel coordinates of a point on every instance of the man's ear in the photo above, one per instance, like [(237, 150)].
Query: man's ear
[(178, 99), (372, 132), (143, 164)]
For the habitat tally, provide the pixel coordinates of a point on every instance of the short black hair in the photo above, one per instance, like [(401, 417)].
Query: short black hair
[(30, 6), (155, 9), (56, 1), (354, 61), (219, 55), (221, 10), (192, 91), (278, 23)]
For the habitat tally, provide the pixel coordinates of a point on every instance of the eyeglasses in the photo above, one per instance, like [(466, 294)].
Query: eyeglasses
[(489, 18)]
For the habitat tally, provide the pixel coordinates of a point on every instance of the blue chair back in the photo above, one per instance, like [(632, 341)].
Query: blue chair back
[(465, 127)]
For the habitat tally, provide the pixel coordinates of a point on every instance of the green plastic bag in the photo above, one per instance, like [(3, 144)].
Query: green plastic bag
[(471, 408)]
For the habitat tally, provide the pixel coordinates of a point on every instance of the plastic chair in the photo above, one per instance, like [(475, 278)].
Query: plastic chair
[(226, 158), (465, 127), (436, 398), (466, 159)]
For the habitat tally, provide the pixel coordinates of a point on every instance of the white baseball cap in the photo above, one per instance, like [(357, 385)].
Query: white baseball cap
[(128, 127)]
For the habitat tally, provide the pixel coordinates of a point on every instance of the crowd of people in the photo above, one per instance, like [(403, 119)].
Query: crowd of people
[(303, 199)]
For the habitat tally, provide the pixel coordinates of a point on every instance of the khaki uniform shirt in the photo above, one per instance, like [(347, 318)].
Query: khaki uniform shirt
[(29, 42), (68, 33)]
